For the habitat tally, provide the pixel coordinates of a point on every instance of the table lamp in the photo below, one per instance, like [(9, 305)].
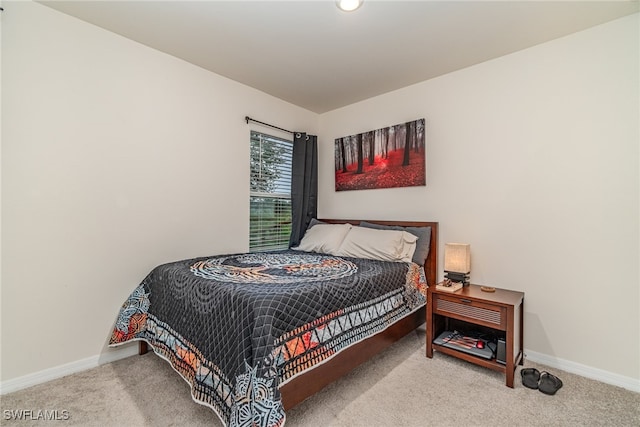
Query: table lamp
[(457, 262)]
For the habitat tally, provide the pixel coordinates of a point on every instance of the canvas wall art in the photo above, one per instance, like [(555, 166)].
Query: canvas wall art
[(394, 156)]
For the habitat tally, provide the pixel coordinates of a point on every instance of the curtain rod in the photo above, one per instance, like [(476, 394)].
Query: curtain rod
[(249, 119)]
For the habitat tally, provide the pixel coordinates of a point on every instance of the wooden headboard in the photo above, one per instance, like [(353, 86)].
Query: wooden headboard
[(430, 264)]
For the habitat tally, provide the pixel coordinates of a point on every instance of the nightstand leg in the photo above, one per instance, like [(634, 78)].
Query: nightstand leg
[(510, 372), (430, 325), (509, 347)]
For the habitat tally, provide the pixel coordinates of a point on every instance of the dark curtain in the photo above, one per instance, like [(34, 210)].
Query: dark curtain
[(304, 185)]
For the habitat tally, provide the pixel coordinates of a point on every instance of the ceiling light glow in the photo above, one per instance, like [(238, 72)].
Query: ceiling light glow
[(348, 5)]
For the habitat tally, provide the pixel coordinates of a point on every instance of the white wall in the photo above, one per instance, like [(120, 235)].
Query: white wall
[(533, 159), (115, 158)]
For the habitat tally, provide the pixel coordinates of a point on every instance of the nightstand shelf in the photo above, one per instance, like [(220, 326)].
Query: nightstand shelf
[(499, 313)]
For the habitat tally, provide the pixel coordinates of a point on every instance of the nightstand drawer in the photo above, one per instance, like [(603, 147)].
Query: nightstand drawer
[(470, 311)]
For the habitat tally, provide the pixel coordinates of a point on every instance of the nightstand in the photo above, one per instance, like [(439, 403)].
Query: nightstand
[(498, 313)]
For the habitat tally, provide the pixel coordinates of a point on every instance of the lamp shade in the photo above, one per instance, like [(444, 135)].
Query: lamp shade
[(457, 257)]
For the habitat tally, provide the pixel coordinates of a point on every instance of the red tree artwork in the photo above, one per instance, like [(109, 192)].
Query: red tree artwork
[(394, 156)]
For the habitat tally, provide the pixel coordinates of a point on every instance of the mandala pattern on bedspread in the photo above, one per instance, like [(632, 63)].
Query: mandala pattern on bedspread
[(236, 327)]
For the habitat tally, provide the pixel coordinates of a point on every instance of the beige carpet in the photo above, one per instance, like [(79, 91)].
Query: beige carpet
[(400, 387)]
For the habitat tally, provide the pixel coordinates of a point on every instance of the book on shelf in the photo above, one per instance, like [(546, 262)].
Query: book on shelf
[(449, 286)]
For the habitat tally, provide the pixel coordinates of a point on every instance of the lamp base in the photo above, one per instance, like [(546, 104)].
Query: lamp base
[(458, 277)]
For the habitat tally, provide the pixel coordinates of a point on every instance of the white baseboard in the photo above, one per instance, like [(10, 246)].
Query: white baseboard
[(584, 371), (121, 352), (43, 376)]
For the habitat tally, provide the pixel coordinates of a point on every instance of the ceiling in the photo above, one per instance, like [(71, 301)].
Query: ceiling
[(313, 55)]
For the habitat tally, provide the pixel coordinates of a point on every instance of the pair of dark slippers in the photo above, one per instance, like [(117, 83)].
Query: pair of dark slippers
[(543, 381)]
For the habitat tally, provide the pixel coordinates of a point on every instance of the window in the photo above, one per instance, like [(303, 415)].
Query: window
[(270, 192)]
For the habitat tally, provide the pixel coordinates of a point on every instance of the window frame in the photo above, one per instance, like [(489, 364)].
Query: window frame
[(265, 232)]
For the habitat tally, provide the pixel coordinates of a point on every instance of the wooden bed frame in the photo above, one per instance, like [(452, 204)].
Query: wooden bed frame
[(314, 380)]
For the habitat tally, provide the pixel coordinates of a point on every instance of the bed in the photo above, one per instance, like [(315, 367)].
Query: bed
[(256, 334)]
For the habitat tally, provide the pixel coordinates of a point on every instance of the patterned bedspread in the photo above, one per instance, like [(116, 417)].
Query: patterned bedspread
[(236, 327)]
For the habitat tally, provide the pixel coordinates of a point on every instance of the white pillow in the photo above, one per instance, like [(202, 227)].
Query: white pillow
[(384, 245), (324, 238)]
